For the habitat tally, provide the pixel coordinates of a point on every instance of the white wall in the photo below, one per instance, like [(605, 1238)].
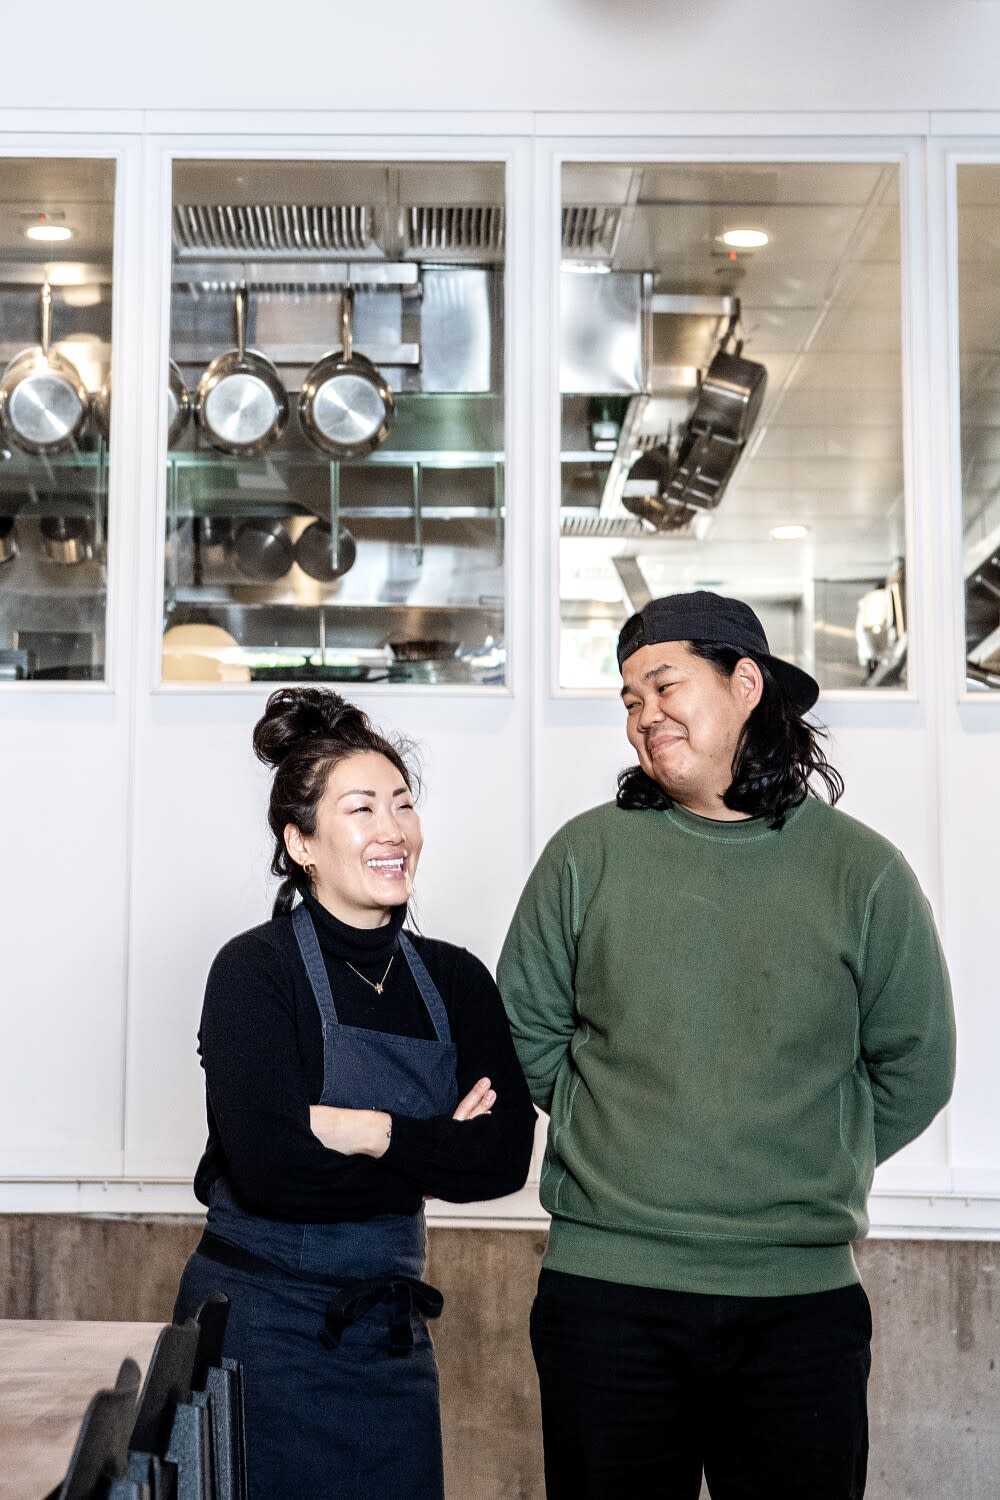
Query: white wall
[(534, 55), (135, 840)]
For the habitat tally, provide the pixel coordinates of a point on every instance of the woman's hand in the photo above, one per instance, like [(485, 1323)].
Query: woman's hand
[(366, 1132), (478, 1101), (352, 1132)]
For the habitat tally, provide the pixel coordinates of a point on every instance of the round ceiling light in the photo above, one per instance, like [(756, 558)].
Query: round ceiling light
[(793, 533), (745, 239), (51, 232)]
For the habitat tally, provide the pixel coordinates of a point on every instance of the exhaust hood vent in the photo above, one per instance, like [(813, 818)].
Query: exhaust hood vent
[(690, 526), (589, 229), (314, 231), (475, 231), (296, 229)]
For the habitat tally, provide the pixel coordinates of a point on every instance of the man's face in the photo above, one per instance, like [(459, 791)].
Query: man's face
[(684, 720)]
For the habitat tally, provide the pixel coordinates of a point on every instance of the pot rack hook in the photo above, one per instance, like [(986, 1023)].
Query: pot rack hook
[(347, 322), (735, 322)]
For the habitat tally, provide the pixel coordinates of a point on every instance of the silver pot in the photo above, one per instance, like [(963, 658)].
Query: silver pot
[(242, 406), (345, 404), (178, 406), (314, 552), (43, 401)]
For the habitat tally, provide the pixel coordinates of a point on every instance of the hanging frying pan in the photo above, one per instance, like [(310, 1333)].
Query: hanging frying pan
[(262, 550), (242, 406), (345, 405), (43, 401), (732, 391), (178, 406), (314, 552)]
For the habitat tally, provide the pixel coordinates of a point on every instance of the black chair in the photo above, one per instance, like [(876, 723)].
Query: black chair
[(165, 1391), (98, 1467), (218, 1383), (211, 1318)]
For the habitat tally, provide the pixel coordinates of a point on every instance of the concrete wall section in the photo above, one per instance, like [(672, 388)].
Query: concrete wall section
[(935, 1391)]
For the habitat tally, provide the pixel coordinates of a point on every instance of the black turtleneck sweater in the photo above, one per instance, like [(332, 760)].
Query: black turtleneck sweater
[(261, 1048)]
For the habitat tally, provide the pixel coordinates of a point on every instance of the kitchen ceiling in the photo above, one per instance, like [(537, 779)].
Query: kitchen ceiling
[(78, 193), (821, 310), (979, 352)]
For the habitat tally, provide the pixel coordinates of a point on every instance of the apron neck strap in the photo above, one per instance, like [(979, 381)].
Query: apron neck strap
[(429, 992), (312, 957)]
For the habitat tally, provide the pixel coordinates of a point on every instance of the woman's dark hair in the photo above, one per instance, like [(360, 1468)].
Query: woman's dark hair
[(776, 756), (304, 732)]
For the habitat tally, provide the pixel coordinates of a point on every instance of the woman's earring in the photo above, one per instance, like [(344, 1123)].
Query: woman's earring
[(309, 871)]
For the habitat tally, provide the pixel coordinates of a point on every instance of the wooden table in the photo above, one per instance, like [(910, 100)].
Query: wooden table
[(48, 1373)]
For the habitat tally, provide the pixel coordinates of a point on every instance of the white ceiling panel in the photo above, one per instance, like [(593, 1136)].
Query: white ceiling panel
[(776, 330), (882, 408), (868, 477), (762, 183), (819, 371), (855, 443)]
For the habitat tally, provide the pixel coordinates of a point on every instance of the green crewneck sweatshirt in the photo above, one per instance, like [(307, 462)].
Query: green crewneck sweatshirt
[(729, 1025)]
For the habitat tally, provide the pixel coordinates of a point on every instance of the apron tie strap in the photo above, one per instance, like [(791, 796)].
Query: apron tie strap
[(409, 1299)]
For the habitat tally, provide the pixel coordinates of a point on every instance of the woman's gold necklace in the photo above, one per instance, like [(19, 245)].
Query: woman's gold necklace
[(380, 985)]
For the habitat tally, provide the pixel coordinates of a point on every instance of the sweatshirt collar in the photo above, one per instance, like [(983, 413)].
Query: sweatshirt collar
[(724, 831)]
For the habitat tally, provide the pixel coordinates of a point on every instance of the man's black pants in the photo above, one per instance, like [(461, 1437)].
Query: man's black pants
[(643, 1389)]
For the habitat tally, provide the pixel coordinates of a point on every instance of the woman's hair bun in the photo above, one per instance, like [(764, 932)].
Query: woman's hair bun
[(297, 714)]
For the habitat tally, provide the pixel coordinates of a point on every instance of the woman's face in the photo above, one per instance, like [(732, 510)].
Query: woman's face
[(367, 842)]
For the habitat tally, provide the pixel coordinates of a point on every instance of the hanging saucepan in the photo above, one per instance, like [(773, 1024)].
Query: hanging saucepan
[(65, 539), (213, 537), (731, 393), (242, 406), (314, 552), (8, 539), (43, 401), (178, 406), (345, 405)]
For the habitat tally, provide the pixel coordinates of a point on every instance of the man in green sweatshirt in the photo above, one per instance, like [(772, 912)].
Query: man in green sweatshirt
[(731, 1001)]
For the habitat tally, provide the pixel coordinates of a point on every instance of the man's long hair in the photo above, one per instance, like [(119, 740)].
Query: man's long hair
[(777, 756)]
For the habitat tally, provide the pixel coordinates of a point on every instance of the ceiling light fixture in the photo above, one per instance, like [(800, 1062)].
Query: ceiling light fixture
[(793, 533), (745, 239), (46, 231)]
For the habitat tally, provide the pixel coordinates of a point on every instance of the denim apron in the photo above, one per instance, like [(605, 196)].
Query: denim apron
[(329, 1320)]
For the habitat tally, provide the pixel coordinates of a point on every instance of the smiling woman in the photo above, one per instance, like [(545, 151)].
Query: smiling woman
[(342, 803), (352, 1070)]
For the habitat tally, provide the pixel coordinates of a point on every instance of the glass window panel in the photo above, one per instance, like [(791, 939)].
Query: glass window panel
[(778, 480), (979, 310), (323, 522), (56, 232)]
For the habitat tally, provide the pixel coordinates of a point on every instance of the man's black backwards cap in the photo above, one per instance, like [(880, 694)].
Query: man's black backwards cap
[(702, 616)]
